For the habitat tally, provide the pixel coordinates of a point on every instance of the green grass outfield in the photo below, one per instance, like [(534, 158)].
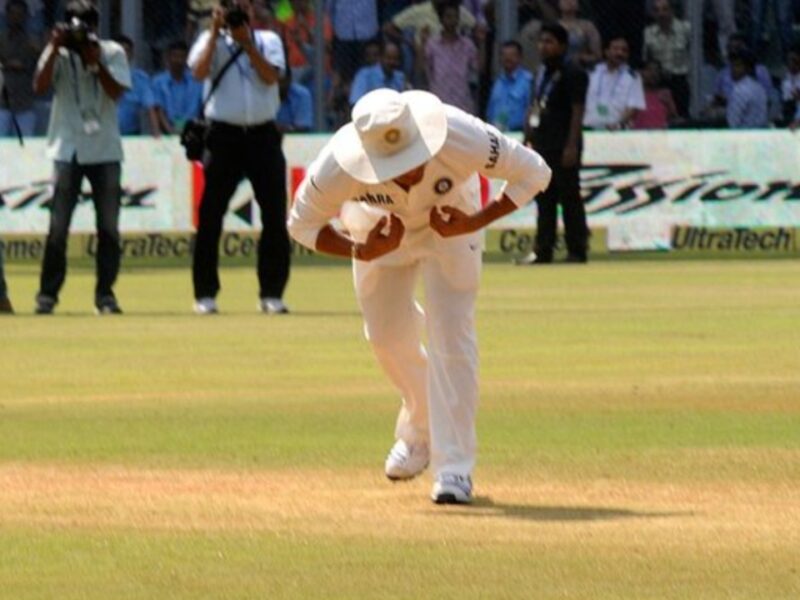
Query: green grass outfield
[(639, 433)]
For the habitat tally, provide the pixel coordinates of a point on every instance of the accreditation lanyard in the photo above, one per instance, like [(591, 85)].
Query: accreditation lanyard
[(542, 88), (603, 107), (76, 88), (90, 115)]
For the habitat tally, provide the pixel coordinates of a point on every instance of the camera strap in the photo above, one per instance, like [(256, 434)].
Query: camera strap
[(218, 79), (76, 88)]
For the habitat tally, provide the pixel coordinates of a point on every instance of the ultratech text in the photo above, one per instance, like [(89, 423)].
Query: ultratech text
[(780, 239)]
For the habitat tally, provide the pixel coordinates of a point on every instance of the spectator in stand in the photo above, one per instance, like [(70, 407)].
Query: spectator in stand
[(544, 11), (615, 91), (725, 13), (34, 17), (423, 18), (451, 59), (299, 39), (553, 129), (622, 19), (668, 41), (386, 74), (476, 9), (372, 53), (511, 92), (198, 18), (783, 13), (660, 109), (790, 86), (795, 124), (19, 53), (748, 104), (138, 100), (355, 22), (723, 86), (585, 46), (296, 114), (177, 95)]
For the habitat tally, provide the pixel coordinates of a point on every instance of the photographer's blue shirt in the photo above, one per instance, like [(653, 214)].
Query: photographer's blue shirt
[(242, 98), (83, 119)]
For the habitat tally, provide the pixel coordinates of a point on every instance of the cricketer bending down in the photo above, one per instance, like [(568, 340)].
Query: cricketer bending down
[(403, 175)]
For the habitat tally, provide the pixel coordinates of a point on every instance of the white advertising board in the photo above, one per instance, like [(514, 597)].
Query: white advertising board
[(638, 185)]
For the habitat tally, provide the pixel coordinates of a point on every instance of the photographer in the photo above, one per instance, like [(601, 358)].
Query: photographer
[(19, 52), (242, 141), (88, 76)]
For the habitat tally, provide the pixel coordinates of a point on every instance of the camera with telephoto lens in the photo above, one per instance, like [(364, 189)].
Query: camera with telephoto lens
[(235, 15), (78, 34)]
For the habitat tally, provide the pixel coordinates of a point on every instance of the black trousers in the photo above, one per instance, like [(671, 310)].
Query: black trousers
[(679, 86), (106, 195), (564, 189), (232, 154)]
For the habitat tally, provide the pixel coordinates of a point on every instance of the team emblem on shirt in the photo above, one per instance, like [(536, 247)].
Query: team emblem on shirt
[(392, 136), (443, 185)]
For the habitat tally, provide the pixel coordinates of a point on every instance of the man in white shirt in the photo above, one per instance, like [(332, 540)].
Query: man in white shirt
[(615, 93), (403, 176), (243, 141)]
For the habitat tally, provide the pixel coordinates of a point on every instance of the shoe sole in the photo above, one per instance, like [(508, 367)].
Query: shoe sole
[(449, 498), (396, 478)]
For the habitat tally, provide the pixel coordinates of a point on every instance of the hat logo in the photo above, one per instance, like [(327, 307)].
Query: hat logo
[(392, 136), (443, 185)]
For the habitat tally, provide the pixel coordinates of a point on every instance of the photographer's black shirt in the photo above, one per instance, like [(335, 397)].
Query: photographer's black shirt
[(556, 90)]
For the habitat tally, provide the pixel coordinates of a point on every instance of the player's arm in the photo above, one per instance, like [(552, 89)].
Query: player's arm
[(377, 244), (449, 221), (496, 156), (320, 198)]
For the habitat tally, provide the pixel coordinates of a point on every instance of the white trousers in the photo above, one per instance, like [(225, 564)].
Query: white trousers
[(438, 381)]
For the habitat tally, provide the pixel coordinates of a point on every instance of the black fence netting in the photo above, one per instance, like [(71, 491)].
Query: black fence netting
[(651, 63)]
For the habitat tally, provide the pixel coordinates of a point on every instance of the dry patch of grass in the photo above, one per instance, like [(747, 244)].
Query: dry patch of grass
[(362, 503)]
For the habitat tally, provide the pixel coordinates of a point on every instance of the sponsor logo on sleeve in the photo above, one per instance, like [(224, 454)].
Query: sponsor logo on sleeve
[(494, 151), (375, 199)]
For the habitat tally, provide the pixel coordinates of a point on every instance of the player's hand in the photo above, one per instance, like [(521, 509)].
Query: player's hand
[(378, 243), (456, 223)]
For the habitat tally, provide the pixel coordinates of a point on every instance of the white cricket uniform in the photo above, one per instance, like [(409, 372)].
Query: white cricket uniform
[(439, 385)]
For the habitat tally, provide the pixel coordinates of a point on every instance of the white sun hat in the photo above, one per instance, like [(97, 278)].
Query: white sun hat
[(391, 133)]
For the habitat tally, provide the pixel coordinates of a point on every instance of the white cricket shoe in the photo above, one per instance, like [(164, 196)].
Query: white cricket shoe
[(450, 488), (273, 306), (205, 306), (406, 462)]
